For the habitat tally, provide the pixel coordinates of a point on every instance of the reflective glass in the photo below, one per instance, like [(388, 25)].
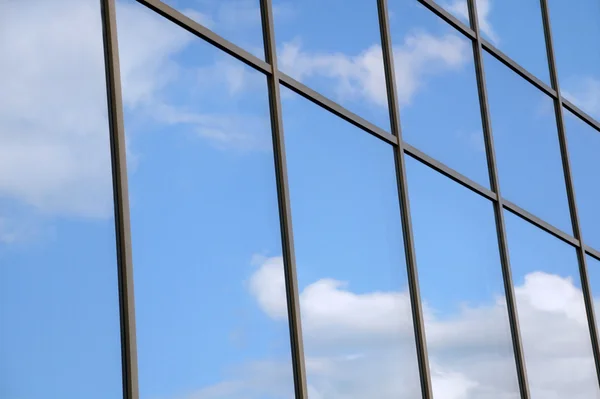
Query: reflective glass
[(238, 21), (209, 287), (457, 8), (584, 150), (516, 28), (575, 30), (437, 89), (356, 318), (593, 268), (59, 305), (335, 49), (460, 277), (527, 148), (552, 317)]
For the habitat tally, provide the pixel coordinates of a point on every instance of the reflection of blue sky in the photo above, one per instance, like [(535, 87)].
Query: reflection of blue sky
[(575, 26), (209, 294), (527, 148), (584, 147)]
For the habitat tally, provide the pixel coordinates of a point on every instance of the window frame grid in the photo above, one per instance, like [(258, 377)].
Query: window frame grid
[(401, 149)]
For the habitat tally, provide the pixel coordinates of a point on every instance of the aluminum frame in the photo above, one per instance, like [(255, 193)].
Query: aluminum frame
[(275, 78)]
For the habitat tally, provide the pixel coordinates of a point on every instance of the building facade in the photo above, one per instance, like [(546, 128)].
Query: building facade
[(268, 199)]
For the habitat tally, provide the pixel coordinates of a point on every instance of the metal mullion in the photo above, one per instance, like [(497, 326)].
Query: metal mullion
[(206, 34), (448, 17), (566, 163), (448, 172), (581, 114), (121, 200), (335, 108), (283, 200), (524, 73), (547, 227), (594, 253), (401, 178), (498, 208)]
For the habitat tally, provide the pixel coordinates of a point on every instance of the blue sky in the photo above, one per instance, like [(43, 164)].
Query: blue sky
[(210, 305)]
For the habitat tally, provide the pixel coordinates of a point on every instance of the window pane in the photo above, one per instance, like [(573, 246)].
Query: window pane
[(437, 89), (527, 149), (517, 29), (210, 295), (356, 318), (457, 8), (59, 305), (335, 49), (238, 21), (462, 289), (584, 147), (593, 267), (554, 329), (575, 29)]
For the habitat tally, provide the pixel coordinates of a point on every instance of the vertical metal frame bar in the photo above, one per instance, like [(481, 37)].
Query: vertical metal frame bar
[(283, 200), (401, 178), (121, 200), (566, 164), (498, 207)]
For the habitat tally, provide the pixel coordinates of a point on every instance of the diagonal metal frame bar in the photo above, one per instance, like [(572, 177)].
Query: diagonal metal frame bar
[(275, 78), (511, 302), (121, 200), (566, 163), (283, 200), (402, 183)]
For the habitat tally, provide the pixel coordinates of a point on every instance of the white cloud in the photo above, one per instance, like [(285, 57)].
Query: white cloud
[(54, 144), (361, 77), (585, 93), (360, 345), (484, 7)]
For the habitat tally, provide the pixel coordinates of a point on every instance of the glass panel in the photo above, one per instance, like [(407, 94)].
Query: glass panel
[(516, 28), (593, 267), (209, 289), (458, 8), (335, 50), (356, 318), (437, 89), (584, 147), (554, 329), (238, 21), (59, 305), (575, 30), (460, 277), (526, 141)]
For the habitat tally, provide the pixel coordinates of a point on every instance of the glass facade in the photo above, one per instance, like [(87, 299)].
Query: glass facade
[(358, 199)]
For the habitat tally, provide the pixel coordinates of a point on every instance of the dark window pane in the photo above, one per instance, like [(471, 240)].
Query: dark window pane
[(59, 305), (437, 89), (462, 289), (584, 149), (335, 49), (356, 319), (576, 29), (238, 21), (516, 28), (527, 149), (554, 329), (210, 295)]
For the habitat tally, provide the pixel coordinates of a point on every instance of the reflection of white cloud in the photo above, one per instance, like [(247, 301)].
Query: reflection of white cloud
[(54, 146), (460, 8), (360, 345), (584, 93), (54, 150), (361, 77)]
